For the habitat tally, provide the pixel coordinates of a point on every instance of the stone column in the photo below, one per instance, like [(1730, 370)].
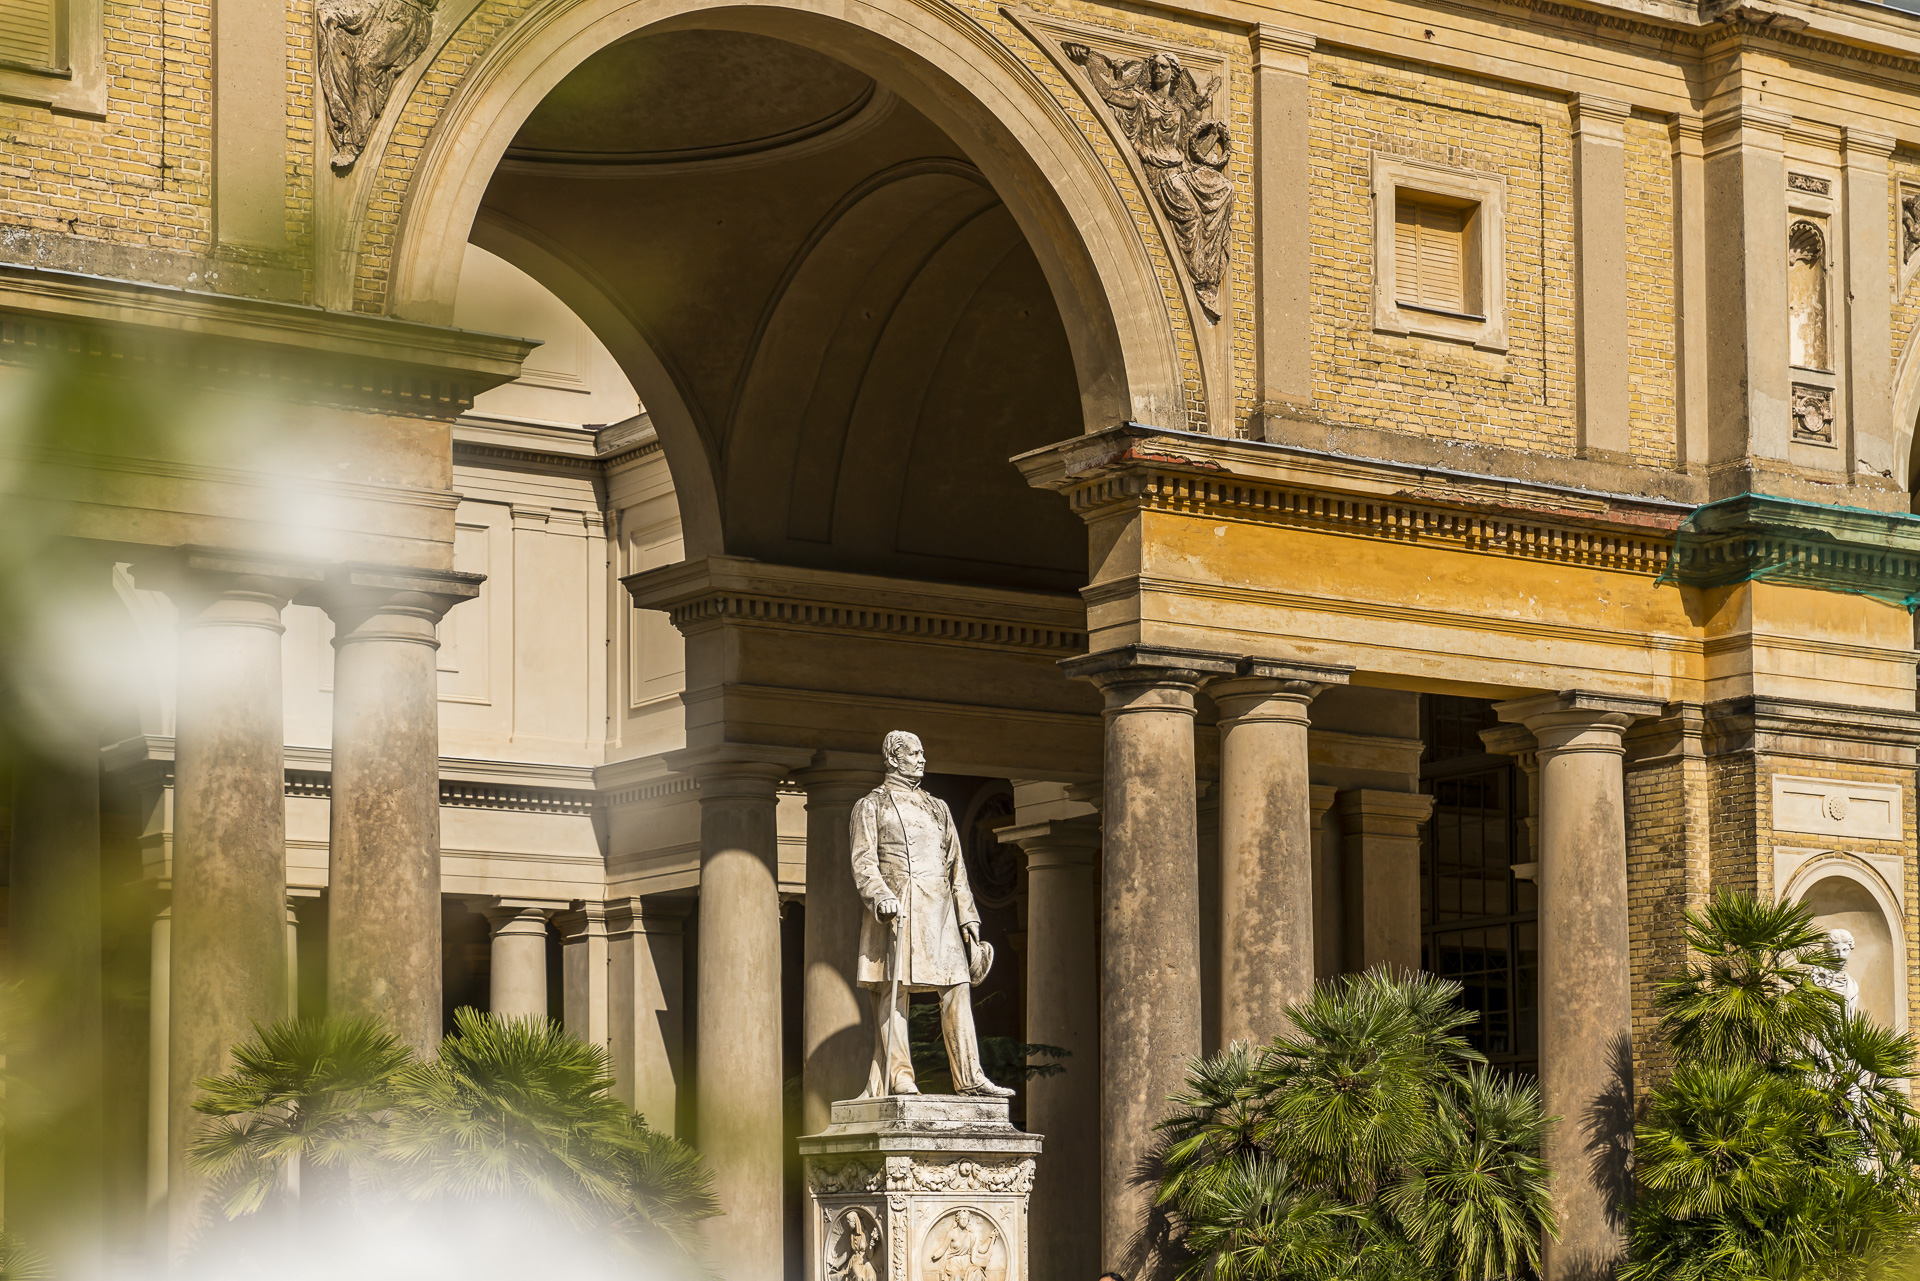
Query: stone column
[(517, 987), (1586, 1007), (1328, 928), (646, 1005), (1063, 1009), (737, 1000), (1284, 258), (1380, 838), (1149, 914), (383, 936), (585, 960), (837, 1036), (159, 1019), (1870, 275), (1266, 843), (229, 933), (1600, 274)]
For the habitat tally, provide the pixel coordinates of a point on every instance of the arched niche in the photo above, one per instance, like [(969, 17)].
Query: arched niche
[(1846, 893)]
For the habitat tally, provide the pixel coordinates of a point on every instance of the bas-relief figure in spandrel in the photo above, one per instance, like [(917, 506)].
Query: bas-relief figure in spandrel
[(1168, 117), (362, 46)]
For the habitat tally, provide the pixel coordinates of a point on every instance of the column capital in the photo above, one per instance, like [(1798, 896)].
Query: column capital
[(198, 578), (1578, 720), (585, 920), (520, 915), (840, 778), (738, 769), (1374, 812), (1744, 124), (1055, 842), (1866, 148), (1273, 689), (1320, 798), (655, 914), (1600, 119), (1149, 678), (354, 593), (1516, 741), (1281, 49)]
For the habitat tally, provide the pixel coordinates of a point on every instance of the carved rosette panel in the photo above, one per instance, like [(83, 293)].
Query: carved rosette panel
[(1167, 117), (1813, 414)]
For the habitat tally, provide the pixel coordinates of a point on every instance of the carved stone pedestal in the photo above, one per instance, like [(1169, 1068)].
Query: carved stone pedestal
[(925, 1187)]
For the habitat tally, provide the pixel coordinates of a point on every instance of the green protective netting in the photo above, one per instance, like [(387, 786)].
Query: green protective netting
[(1765, 538)]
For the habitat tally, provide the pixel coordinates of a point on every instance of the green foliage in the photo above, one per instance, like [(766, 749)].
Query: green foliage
[(1782, 1146), (19, 1263), (1370, 1144), (512, 1116)]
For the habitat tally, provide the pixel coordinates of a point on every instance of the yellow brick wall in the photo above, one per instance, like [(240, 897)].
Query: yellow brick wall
[(1523, 399), (142, 177), (1666, 877)]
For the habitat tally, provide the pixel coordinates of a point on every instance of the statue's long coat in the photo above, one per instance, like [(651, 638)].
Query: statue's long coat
[(905, 843)]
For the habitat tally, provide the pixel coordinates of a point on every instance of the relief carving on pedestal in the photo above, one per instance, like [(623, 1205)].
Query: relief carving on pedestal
[(361, 47), (853, 1247), (907, 1175), (964, 1245), (1183, 149), (854, 1176)]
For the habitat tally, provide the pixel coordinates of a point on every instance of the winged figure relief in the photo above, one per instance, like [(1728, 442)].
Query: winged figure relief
[(362, 46), (1168, 117)]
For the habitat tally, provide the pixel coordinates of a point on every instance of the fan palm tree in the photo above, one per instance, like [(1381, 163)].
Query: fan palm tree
[(1782, 1145), (517, 1113), (301, 1101), (1369, 1143)]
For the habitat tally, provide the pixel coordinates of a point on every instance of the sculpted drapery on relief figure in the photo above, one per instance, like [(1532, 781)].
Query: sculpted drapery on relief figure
[(361, 47), (1167, 116)]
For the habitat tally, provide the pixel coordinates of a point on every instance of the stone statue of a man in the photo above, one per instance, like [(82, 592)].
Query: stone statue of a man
[(921, 930)]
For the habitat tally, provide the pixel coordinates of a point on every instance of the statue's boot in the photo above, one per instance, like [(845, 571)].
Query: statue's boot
[(987, 1089)]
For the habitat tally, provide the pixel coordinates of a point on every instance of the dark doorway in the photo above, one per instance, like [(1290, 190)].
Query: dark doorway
[(1478, 921)]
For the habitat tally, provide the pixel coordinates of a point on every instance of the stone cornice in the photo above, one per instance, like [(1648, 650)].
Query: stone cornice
[(1779, 540), (252, 345), (1138, 467), (733, 591), (590, 451)]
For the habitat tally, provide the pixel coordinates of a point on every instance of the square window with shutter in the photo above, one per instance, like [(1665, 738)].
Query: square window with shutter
[(30, 33), (1431, 251)]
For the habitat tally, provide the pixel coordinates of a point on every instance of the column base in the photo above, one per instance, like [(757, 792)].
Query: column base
[(895, 1175)]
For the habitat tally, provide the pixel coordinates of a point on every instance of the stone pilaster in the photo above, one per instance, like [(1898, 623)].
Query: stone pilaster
[(517, 985), (837, 1033), (1063, 1009), (1380, 875), (1149, 913), (1266, 843), (646, 940), (1748, 387), (1600, 274), (1328, 927), (1586, 1004), (383, 935), (737, 1079), (228, 955), (1870, 276), (584, 972), (1284, 258)]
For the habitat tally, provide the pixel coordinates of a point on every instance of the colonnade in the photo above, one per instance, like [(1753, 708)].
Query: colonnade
[(1131, 1017), (224, 939)]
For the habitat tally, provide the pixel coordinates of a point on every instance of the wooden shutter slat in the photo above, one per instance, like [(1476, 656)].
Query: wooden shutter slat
[(26, 32), (1430, 255)]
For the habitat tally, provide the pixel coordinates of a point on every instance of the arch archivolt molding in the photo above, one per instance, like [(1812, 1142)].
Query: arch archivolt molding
[(1797, 871), (425, 170)]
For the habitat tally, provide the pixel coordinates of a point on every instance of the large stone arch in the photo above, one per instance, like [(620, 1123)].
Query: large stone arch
[(1010, 125)]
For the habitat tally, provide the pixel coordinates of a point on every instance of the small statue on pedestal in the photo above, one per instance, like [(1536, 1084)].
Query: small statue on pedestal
[(922, 931)]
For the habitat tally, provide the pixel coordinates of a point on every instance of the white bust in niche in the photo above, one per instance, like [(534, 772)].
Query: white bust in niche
[(1840, 943)]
